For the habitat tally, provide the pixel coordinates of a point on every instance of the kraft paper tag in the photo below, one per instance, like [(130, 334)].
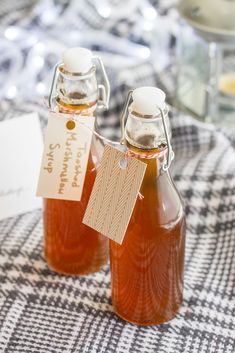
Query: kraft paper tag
[(114, 194), (65, 157)]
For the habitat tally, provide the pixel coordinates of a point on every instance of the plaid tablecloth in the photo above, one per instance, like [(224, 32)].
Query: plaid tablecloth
[(42, 311)]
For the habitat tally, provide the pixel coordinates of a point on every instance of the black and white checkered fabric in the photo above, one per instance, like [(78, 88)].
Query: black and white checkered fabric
[(44, 312)]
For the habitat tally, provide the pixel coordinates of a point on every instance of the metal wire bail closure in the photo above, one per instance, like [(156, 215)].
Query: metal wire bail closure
[(170, 152), (124, 115), (54, 79), (104, 90)]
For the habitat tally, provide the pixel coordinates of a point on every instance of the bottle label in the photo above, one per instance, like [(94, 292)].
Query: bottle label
[(114, 194), (65, 157)]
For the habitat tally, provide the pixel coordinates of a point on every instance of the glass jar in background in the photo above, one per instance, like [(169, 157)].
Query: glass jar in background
[(206, 60)]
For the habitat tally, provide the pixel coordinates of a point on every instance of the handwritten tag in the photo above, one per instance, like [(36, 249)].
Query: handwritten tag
[(65, 157), (21, 147), (114, 194)]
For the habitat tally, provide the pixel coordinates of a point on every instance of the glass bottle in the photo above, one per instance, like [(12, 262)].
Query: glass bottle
[(70, 246), (147, 269)]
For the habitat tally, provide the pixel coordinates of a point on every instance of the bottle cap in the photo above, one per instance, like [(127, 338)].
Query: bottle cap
[(77, 60), (147, 100)]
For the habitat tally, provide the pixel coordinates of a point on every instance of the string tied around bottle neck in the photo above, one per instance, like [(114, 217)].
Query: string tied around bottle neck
[(128, 153), (147, 155)]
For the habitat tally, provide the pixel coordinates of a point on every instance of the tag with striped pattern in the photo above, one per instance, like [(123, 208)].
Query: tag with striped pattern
[(114, 194)]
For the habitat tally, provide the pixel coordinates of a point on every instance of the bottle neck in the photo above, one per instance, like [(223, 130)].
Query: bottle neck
[(145, 138), (146, 132), (76, 93)]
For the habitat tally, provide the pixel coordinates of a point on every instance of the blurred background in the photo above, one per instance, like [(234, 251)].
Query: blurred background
[(187, 52)]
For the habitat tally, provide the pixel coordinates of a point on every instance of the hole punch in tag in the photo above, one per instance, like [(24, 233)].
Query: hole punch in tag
[(65, 157), (70, 124), (114, 194)]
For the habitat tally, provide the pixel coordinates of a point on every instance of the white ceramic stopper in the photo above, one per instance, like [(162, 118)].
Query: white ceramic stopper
[(147, 100), (77, 60)]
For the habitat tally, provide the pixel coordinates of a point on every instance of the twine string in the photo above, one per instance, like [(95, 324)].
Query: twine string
[(128, 153)]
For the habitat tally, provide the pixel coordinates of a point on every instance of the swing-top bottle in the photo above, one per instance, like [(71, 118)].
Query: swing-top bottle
[(70, 246), (147, 269)]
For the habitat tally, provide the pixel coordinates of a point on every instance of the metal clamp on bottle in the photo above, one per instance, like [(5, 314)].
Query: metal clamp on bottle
[(53, 83), (80, 64), (147, 104), (104, 90)]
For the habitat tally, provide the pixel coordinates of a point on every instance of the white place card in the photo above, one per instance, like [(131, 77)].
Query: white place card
[(21, 147)]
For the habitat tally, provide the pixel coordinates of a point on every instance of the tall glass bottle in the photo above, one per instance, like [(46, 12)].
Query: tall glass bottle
[(70, 246), (147, 269)]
